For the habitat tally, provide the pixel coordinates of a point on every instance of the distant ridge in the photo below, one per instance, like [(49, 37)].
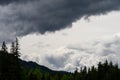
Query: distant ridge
[(28, 65), (33, 65)]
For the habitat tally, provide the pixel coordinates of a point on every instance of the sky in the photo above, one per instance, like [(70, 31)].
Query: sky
[(63, 34)]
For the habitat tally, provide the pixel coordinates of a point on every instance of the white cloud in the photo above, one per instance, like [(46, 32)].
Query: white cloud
[(75, 56), (85, 44)]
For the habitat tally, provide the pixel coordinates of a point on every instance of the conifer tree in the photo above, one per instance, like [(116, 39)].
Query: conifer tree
[(12, 48), (4, 47), (17, 53)]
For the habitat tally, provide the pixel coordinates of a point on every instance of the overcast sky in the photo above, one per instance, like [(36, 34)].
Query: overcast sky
[(85, 44), (63, 34)]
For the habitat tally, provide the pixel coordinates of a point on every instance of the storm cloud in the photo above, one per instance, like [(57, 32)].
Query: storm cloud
[(22, 17)]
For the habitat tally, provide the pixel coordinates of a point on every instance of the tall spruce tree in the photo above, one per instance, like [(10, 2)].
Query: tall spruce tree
[(12, 50), (4, 47), (17, 53)]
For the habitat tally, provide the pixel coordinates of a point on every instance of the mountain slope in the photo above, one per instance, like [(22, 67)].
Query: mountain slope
[(27, 65), (32, 65)]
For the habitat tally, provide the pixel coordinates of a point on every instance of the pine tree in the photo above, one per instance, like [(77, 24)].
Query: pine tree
[(4, 47), (12, 48), (17, 53)]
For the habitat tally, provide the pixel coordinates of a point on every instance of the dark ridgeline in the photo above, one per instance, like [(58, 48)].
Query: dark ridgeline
[(12, 68)]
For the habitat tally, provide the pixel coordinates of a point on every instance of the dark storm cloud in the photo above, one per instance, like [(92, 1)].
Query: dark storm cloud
[(22, 17), (5, 2)]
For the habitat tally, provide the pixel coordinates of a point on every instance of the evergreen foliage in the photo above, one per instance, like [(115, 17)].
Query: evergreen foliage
[(16, 48), (4, 47), (12, 50)]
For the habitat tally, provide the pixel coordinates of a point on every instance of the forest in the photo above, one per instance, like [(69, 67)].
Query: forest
[(12, 69)]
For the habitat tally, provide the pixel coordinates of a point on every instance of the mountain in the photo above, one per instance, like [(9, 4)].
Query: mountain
[(27, 65), (7, 59)]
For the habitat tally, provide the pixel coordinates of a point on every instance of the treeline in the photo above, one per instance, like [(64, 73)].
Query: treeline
[(104, 71), (11, 69)]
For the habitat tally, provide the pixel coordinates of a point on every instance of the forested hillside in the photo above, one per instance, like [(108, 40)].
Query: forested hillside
[(12, 68)]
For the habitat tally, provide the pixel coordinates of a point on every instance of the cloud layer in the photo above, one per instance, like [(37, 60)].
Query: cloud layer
[(74, 56), (22, 17)]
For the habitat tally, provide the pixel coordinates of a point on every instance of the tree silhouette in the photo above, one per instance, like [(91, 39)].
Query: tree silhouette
[(17, 53), (10, 68), (4, 47), (12, 50)]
